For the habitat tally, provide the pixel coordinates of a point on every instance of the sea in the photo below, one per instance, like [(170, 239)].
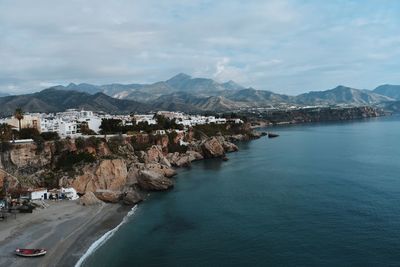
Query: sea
[(323, 194)]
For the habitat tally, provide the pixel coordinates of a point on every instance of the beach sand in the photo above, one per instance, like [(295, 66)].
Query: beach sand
[(65, 229)]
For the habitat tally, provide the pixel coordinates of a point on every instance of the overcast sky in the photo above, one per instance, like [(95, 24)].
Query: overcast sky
[(284, 46)]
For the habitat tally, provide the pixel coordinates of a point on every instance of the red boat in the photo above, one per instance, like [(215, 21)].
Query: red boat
[(25, 252)]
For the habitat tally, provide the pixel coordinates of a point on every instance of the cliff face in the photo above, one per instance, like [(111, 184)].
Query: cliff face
[(110, 169), (105, 175), (317, 114)]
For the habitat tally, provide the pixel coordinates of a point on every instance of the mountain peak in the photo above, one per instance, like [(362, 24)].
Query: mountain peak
[(180, 77), (71, 85), (232, 85)]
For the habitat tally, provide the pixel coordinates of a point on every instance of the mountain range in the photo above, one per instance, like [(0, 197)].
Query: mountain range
[(184, 93), (56, 100)]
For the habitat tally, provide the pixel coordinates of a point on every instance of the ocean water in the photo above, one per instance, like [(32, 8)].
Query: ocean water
[(318, 195)]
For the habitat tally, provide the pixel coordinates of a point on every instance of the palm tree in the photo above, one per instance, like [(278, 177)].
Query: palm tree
[(19, 115)]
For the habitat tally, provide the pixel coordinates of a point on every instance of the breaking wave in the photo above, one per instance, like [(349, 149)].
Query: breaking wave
[(99, 242)]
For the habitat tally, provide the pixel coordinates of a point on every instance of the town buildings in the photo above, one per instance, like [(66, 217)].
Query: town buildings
[(70, 122)]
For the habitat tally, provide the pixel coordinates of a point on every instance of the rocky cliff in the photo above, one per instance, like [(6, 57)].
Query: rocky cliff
[(112, 170)]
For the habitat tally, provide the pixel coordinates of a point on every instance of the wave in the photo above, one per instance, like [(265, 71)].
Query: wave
[(99, 242)]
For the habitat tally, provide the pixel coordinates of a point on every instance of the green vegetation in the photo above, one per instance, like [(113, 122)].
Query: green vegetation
[(137, 146), (81, 142), (115, 143), (6, 134), (85, 130), (67, 161), (50, 136), (115, 126), (19, 115), (50, 180), (213, 129)]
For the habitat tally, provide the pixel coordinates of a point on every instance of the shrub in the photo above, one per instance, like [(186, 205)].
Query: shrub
[(28, 133), (93, 142), (50, 136), (80, 143), (5, 146), (70, 159), (140, 146), (114, 143), (39, 141)]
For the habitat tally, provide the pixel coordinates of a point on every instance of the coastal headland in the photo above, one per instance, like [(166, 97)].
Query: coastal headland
[(110, 173)]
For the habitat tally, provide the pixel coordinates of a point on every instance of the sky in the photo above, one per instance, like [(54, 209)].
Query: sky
[(286, 46)]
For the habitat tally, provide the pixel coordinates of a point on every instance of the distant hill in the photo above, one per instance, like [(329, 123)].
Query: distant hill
[(185, 93), (55, 100), (341, 95), (393, 106), (392, 91)]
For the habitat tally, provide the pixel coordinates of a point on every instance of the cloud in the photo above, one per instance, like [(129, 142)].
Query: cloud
[(284, 45)]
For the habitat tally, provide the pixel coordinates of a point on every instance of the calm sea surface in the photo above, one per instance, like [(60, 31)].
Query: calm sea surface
[(318, 195)]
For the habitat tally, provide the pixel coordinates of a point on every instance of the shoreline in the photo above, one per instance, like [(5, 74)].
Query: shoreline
[(66, 229), (265, 124)]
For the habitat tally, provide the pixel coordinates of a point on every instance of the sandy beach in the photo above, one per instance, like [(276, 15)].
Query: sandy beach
[(65, 229)]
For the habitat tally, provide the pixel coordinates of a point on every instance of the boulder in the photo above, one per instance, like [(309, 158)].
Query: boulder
[(184, 160), (89, 199), (161, 169), (155, 155), (194, 155), (153, 181), (229, 147), (108, 175), (108, 196), (212, 148), (132, 198), (132, 176)]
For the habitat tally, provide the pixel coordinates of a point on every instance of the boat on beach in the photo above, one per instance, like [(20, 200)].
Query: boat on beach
[(272, 135), (25, 252)]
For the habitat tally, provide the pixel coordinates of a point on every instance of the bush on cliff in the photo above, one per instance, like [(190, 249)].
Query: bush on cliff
[(214, 129), (28, 133), (114, 143), (67, 161), (5, 146), (138, 146), (80, 143), (50, 136)]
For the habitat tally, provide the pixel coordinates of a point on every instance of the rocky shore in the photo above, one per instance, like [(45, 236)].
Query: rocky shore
[(109, 171), (120, 170), (314, 114)]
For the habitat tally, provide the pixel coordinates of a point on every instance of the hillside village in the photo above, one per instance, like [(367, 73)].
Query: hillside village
[(73, 123), (53, 156)]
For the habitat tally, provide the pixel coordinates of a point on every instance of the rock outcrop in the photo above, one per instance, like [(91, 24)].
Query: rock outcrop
[(184, 160), (109, 196), (132, 198), (89, 199), (153, 181), (107, 175), (212, 148)]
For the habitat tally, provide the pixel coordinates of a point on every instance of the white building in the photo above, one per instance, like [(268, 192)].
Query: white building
[(36, 194), (70, 193)]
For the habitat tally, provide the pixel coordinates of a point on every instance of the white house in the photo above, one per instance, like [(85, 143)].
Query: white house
[(69, 193), (35, 194)]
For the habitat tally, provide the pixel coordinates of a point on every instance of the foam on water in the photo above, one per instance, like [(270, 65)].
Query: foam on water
[(99, 242)]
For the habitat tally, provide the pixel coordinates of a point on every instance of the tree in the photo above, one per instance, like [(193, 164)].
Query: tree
[(6, 134), (5, 131), (111, 126), (19, 115)]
